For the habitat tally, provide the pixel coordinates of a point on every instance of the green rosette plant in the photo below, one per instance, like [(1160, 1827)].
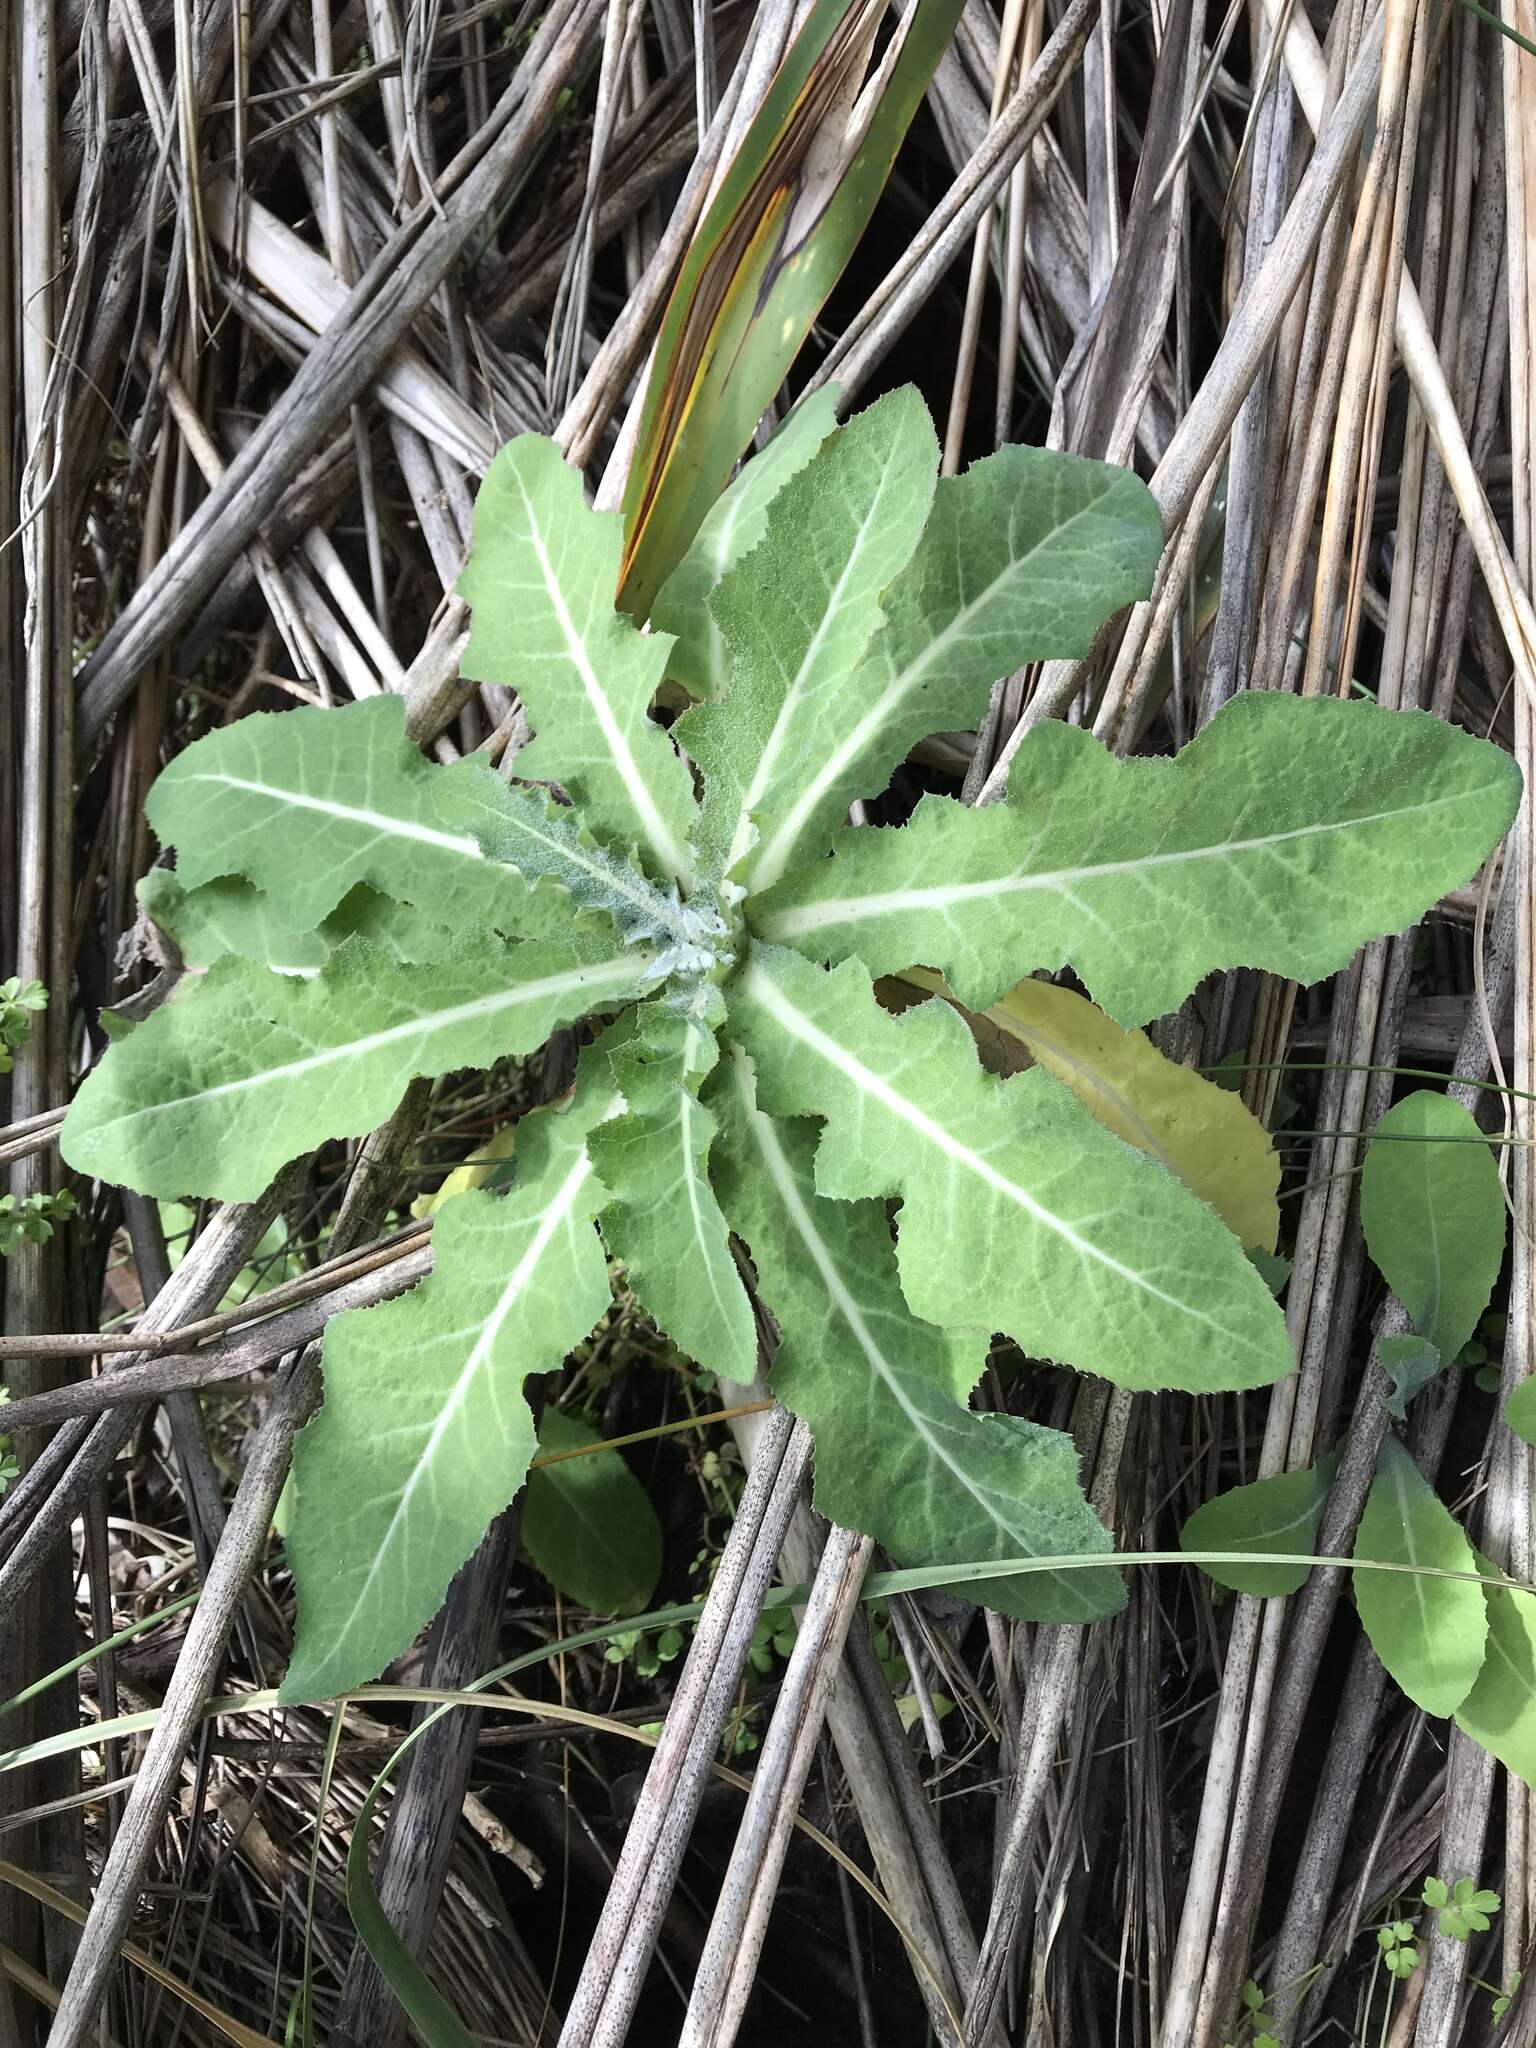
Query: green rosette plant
[(358, 916)]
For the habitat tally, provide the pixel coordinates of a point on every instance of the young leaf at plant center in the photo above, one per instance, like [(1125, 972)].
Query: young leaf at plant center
[(1499, 1712), (1023, 558), (788, 213), (797, 613), (588, 1523), (898, 1452), (308, 804), (1287, 833), (242, 1069), (1206, 1135), (733, 527), (541, 577), (425, 1435), (1410, 1363), (1276, 1515), (662, 1219), (1018, 1212), (1430, 1633), (1433, 1214)]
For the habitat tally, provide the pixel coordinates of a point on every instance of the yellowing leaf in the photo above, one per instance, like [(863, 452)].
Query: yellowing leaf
[(476, 1171), (1203, 1133)]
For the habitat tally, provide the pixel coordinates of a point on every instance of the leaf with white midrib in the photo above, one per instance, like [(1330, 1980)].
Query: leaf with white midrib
[(1285, 835), (425, 1435), (307, 805), (541, 578), (796, 614), (1023, 558), (1018, 1212), (242, 1069), (898, 1453)]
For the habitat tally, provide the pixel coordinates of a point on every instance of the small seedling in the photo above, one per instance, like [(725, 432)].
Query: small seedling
[(19, 1001), (1462, 1909), (30, 1219), (1398, 1952)]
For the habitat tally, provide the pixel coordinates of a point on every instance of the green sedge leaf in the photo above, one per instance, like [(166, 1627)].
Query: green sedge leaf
[(1019, 1212), (1430, 1633), (242, 1069), (1023, 559), (1433, 1214), (425, 1435), (1285, 835), (662, 1220), (308, 804), (734, 526), (541, 577), (1499, 1713), (898, 1453), (1278, 1514), (588, 1523), (797, 613), (790, 209)]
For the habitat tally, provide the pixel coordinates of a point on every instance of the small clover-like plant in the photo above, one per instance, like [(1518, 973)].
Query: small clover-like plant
[(19, 1003), (32, 1219), (1461, 1909), (699, 899), (1398, 1950)]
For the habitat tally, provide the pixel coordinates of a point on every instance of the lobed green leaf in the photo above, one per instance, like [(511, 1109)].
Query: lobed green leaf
[(661, 1217), (541, 576), (425, 1435), (243, 1069), (733, 527), (1285, 835), (1019, 1212), (797, 613), (1023, 559), (898, 1453), (306, 805)]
